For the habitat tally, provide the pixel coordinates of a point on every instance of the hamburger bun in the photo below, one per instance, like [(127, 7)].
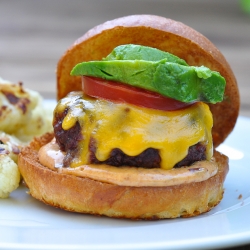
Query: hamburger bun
[(85, 195), (161, 33)]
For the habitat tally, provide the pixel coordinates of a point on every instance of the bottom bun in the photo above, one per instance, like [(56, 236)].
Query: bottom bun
[(85, 195)]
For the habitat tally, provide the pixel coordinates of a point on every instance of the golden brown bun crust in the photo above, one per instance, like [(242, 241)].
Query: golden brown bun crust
[(161, 33), (84, 195)]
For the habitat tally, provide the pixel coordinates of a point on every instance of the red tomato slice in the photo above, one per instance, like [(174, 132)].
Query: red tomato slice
[(117, 92)]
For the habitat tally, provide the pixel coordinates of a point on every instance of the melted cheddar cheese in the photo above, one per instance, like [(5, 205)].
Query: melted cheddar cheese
[(133, 129)]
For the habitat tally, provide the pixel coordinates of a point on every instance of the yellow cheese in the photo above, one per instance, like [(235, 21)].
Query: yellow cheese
[(134, 129)]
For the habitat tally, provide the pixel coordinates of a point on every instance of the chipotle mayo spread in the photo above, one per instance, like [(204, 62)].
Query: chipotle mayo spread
[(51, 157)]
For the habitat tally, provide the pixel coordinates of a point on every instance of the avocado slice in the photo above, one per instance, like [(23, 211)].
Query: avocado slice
[(177, 81), (138, 52)]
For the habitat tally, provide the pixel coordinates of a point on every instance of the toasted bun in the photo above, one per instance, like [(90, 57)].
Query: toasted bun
[(166, 35), (85, 195)]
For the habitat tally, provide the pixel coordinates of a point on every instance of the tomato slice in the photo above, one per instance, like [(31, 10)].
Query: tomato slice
[(117, 92)]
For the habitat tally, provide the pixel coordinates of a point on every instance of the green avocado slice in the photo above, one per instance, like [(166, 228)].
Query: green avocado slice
[(180, 82), (138, 52)]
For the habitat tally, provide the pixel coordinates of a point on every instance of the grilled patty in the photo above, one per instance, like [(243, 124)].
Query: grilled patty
[(68, 141)]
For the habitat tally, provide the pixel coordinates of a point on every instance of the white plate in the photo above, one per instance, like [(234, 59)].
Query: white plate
[(29, 224)]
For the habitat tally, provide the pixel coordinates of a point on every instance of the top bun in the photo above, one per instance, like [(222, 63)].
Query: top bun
[(161, 33)]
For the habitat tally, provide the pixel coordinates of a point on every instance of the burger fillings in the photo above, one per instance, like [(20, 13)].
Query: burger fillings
[(101, 127)]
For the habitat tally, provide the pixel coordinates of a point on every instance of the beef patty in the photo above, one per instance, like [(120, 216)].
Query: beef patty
[(68, 141)]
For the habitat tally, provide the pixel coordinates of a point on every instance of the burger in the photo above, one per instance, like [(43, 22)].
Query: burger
[(143, 101)]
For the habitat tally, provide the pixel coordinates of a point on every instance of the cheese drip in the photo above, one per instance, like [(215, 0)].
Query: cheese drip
[(134, 129)]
